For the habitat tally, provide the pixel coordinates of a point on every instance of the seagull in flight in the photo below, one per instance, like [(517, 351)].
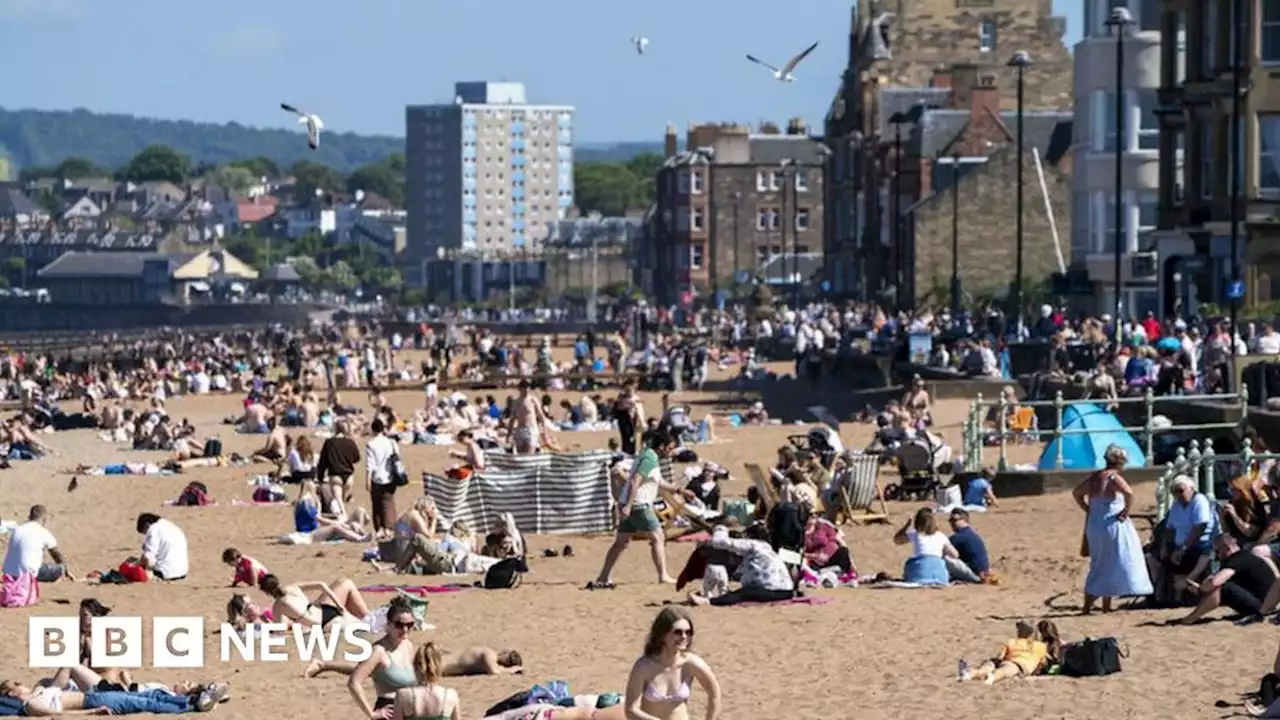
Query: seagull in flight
[(314, 125), (785, 73), (640, 43)]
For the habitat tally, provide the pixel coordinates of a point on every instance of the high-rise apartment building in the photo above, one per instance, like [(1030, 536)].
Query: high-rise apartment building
[(486, 175), (1094, 198)]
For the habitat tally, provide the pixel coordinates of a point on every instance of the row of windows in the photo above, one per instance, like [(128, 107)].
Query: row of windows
[(767, 218), (515, 145), (693, 257), (772, 180)]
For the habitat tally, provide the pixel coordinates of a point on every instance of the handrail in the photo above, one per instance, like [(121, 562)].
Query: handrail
[(974, 426)]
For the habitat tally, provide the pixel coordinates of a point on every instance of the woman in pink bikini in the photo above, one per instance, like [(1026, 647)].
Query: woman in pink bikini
[(661, 681)]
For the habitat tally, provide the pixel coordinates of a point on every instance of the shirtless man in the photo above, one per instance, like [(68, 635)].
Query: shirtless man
[(277, 444), (526, 422), (255, 418), (482, 661)]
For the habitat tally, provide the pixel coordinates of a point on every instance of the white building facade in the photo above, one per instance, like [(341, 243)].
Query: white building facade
[(487, 173), (1093, 239)]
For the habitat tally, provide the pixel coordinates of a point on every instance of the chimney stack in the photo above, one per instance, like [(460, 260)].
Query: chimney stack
[(984, 97), (796, 126), (964, 77), (670, 143)]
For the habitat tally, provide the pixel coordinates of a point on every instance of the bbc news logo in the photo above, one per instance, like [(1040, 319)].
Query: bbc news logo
[(178, 642)]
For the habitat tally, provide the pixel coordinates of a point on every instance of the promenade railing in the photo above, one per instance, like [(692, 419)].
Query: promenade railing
[(975, 430)]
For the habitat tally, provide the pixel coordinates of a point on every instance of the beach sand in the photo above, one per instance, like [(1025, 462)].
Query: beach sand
[(869, 653)]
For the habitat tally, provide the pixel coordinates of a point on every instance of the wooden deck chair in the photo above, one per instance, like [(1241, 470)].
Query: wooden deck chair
[(760, 479), (674, 507), (859, 496), (1023, 423)]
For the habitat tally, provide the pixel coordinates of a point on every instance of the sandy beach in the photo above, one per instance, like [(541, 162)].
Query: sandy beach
[(868, 653)]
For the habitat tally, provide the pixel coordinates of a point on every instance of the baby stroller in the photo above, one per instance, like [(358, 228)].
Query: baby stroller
[(918, 477), (821, 441)]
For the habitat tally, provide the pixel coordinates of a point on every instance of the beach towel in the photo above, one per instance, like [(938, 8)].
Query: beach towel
[(20, 591), (695, 537), (806, 600), (900, 585), (237, 502), (413, 589)]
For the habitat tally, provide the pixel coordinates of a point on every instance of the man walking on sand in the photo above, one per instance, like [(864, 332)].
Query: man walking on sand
[(635, 504), (526, 422)]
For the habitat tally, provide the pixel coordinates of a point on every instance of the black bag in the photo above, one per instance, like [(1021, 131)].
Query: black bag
[(396, 471), (1269, 689), (212, 448), (1092, 657), (505, 574), (517, 700)]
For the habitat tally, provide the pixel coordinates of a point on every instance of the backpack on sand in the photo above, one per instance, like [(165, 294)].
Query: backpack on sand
[(195, 494), (505, 574), (1092, 657)]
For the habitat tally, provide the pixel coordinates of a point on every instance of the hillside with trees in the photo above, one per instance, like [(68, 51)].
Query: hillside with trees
[(44, 138), (40, 138)]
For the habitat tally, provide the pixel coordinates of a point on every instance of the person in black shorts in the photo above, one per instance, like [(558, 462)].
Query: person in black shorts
[(1242, 584)]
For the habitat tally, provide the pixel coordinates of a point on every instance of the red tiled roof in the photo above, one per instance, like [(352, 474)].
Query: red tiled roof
[(257, 209)]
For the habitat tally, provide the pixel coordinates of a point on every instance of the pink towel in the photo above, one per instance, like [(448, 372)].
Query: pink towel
[(806, 600), (414, 589), (21, 591), (695, 537)]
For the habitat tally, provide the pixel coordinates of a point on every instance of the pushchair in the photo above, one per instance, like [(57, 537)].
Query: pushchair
[(918, 477), (821, 441)]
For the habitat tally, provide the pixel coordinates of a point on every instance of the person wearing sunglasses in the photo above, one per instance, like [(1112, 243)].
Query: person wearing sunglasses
[(391, 666), (661, 682)]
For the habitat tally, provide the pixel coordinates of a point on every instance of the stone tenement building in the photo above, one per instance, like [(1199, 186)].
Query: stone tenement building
[(926, 40), (986, 226), (731, 203), (929, 34)]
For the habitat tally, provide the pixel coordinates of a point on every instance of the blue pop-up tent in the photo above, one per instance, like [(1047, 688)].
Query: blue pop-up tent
[(1084, 451)]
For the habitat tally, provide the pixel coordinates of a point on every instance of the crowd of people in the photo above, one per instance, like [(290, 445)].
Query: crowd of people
[(784, 539)]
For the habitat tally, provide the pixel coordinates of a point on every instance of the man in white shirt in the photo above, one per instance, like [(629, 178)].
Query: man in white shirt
[(27, 545), (1268, 341), (164, 548), (377, 477)]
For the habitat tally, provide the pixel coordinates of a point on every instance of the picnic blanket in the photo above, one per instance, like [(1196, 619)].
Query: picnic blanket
[(806, 600), (547, 493), (414, 589)]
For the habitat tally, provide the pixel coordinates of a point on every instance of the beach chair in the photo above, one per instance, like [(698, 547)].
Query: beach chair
[(858, 495), (760, 479), (674, 508)]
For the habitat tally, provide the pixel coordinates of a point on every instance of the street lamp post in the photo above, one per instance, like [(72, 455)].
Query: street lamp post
[(737, 238), (955, 238), (786, 164), (1119, 23), (1238, 90), (898, 119), (1019, 62), (856, 254)]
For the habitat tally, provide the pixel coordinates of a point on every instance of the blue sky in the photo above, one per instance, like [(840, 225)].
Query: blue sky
[(357, 64)]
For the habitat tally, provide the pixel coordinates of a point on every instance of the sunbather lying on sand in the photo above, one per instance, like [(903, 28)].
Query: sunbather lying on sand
[(552, 712), (1022, 656), (100, 698)]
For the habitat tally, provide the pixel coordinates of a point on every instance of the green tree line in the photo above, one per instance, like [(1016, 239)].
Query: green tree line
[(610, 189)]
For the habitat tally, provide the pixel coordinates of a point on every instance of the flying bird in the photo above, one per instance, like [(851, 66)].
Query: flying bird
[(314, 125), (640, 43), (785, 74)]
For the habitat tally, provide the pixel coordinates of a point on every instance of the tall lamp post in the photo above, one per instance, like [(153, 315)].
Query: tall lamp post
[(856, 254), (794, 270), (1119, 22), (955, 238), (1238, 90), (1019, 62), (737, 238), (897, 119)]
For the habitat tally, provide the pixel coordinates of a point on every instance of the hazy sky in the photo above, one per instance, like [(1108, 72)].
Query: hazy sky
[(357, 64)]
